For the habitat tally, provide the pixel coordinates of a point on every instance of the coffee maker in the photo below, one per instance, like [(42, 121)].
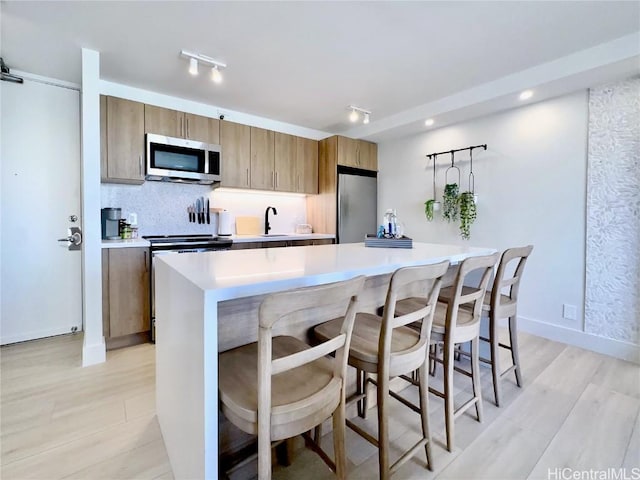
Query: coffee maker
[(110, 223)]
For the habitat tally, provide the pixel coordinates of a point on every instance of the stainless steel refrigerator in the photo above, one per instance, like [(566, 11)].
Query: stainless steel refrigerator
[(357, 204)]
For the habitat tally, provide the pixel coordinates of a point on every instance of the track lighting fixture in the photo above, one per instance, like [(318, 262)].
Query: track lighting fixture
[(196, 58), (355, 114), (428, 122)]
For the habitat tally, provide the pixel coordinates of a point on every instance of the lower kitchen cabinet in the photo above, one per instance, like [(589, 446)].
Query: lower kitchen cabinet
[(125, 296), (282, 243)]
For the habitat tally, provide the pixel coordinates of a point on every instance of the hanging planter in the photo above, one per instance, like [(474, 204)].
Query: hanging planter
[(450, 198), (467, 212), (432, 205)]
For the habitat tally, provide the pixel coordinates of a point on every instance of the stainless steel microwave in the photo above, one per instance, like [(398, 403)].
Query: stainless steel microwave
[(172, 159)]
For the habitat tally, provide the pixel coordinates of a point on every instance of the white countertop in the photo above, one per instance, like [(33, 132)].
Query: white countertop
[(239, 273), (132, 242), (284, 237)]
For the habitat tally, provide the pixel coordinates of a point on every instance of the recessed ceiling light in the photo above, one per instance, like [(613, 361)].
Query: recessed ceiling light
[(526, 95), (428, 122)]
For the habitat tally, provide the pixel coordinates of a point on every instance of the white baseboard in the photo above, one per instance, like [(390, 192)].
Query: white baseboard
[(608, 346), (93, 354), (34, 335)]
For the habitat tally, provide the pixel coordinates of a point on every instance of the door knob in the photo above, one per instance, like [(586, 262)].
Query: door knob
[(74, 238)]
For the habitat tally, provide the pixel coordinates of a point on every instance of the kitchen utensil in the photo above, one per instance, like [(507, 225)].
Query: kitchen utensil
[(208, 213), (198, 209), (202, 204), (189, 213)]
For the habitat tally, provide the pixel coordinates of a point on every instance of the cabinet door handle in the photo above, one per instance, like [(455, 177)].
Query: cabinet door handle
[(247, 177), (276, 179), (146, 264), (299, 188), (187, 135), (182, 127), (140, 165)]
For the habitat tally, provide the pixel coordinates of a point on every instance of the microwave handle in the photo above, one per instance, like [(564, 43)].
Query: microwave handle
[(140, 164)]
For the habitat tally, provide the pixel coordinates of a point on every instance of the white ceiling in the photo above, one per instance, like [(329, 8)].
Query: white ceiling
[(304, 62)]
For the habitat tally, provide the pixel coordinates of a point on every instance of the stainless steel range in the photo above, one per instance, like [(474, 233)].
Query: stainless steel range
[(171, 244)]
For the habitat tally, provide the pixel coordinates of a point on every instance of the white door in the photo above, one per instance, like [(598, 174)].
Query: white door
[(40, 281)]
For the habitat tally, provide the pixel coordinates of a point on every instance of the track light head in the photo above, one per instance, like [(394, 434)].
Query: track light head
[(366, 119), (193, 66), (216, 76), (353, 116)]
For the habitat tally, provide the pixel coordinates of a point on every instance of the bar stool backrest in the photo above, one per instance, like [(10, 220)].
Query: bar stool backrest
[(504, 280)]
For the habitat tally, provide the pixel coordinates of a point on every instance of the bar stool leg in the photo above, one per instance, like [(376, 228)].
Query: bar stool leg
[(515, 357), (360, 386), (494, 343), (475, 377), (423, 386), (339, 443), (383, 425), (448, 394)]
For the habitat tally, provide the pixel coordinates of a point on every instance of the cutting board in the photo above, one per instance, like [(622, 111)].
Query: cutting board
[(248, 226)]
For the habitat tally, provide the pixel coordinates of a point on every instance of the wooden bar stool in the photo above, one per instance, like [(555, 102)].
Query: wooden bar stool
[(454, 323), (385, 346), (498, 304), (281, 387)]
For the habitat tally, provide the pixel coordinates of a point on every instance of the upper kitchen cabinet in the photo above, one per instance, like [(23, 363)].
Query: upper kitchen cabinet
[(172, 123), (262, 159), (368, 155), (357, 153), (235, 140), (285, 162), (122, 140), (306, 165)]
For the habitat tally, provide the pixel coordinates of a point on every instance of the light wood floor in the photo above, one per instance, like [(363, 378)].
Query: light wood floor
[(578, 409)]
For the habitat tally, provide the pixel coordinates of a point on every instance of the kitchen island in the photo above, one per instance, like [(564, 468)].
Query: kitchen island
[(207, 303)]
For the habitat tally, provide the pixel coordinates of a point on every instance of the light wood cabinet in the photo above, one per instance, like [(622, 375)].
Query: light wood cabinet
[(357, 153), (348, 152), (367, 155), (122, 140), (306, 165), (163, 121), (285, 149), (282, 243), (201, 128), (125, 287), (262, 159), (235, 140), (172, 123)]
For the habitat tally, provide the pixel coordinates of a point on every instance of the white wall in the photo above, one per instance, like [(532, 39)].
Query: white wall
[(531, 187)]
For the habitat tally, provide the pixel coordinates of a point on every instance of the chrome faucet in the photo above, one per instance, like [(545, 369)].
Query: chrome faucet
[(267, 227)]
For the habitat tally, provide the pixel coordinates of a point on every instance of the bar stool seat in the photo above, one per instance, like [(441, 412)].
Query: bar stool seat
[(364, 342), (239, 385), (505, 300)]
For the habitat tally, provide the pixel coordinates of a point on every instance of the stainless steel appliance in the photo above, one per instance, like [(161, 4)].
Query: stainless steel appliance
[(110, 223), (172, 244), (357, 204), (172, 159)]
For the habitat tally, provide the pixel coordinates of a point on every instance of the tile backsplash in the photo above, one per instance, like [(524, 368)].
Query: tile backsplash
[(162, 206)]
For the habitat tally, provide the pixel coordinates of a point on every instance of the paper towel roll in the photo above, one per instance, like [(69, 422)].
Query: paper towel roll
[(224, 223)]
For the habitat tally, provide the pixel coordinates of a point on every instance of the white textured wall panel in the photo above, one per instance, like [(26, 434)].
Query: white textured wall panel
[(612, 300)]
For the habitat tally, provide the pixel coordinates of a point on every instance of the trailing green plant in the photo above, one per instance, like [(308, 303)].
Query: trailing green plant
[(467, 214), (428, 209), (450, 202)]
